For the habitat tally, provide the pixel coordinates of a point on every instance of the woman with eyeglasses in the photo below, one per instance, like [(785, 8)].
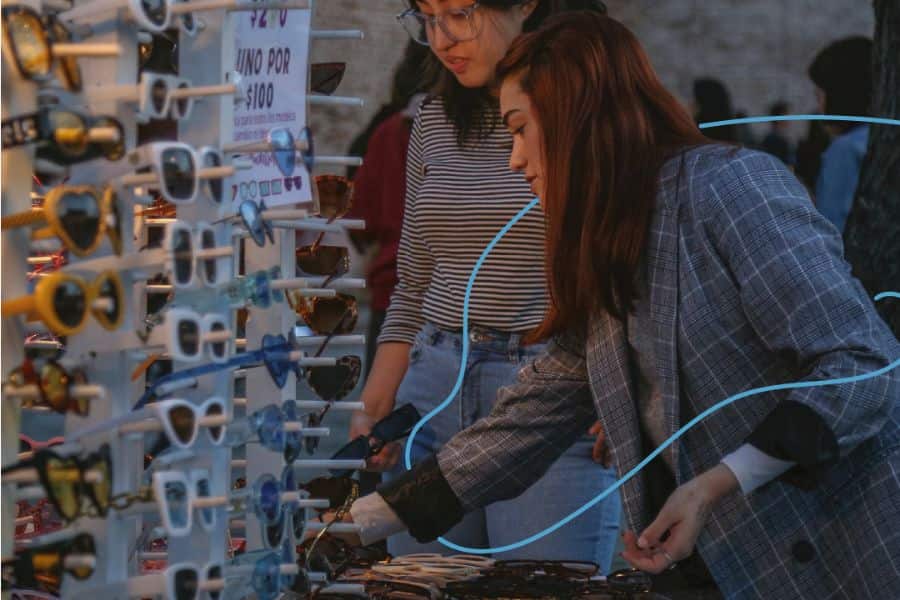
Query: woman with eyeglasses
[(459, 194), (682, 272)]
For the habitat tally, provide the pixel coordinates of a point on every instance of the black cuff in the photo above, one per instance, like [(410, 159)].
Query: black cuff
[(795, 432), (423, 500)]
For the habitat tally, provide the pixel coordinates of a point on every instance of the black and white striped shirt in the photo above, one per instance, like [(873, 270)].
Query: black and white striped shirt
[(457, 199)]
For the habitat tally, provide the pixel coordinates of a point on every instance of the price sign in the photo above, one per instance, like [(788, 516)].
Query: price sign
[(271, 56)]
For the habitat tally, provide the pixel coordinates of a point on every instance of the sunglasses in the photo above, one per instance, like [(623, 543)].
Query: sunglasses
[(180, 581), (324, 78), (65, 137), (69, 480), (293, 515), (30, 38), (190, 337), (391, 428), (324, 316), (159, 96), (43, 567), (54, 384), (283, 146), (334, 199), (174, 168), (268, 573), (28, 446), (193, 255), (78, 215), (63, 302), (570, 569), (271, 425), (153, 16), (179, 495), (330, 261), (333, 556), (255, 289), (178, 419), (334, 489)]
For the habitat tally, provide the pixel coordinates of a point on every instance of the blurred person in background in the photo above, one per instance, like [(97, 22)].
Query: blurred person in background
[(842, 73), (776, 141), (712, 102)]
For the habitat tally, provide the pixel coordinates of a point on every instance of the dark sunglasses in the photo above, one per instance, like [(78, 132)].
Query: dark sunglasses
[(391, 428), (328, 261), (324, 78), (31, 37), (326, 316), (68, 480), (43, 567), (66, 137), (54, 383)]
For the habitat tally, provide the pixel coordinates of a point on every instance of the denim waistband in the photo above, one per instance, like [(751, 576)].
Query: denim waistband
[(480, 338)]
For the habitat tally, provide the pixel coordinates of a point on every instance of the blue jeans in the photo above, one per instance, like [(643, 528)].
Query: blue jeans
[(573, 480)]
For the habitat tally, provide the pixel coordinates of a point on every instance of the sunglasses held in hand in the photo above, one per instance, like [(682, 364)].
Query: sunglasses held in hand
[(391, 428)]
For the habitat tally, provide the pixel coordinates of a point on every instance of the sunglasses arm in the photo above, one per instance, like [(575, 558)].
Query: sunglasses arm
[(82, 50)]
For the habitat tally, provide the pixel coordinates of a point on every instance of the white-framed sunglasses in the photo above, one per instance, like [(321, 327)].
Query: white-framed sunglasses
[(189, 336), (176, 169)]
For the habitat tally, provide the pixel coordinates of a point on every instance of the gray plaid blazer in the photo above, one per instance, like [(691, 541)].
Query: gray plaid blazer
[(747, 287)]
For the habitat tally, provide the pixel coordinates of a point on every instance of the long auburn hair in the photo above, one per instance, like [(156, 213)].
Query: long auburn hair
[(608, 125), (468, 108)]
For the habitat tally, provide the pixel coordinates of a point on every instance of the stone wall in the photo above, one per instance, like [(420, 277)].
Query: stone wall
[(759, 48)]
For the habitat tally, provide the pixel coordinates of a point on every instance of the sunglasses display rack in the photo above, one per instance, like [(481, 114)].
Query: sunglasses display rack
[(193, 482)]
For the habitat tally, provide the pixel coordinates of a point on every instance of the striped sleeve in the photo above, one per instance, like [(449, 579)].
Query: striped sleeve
[(415, 264)]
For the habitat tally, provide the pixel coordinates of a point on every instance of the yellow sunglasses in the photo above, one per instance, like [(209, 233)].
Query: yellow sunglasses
[(78, 215), (63, 302)]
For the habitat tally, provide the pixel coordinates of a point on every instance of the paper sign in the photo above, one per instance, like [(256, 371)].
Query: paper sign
[(271, 56)]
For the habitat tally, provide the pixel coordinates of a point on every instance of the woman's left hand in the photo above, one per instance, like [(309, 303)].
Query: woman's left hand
[(672, 536)]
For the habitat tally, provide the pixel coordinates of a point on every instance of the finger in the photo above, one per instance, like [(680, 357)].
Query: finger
[(651, 537), (656, 563), (597, 451), (629, 540), (595, 429)]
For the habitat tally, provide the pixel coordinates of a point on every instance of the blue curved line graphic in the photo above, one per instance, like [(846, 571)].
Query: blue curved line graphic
[(407, 455), (770, 119)]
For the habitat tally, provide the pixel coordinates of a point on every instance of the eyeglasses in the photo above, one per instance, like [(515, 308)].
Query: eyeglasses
[(180, 581), (54, 384), (68, 480), (324, 78), (189, 336), (179, 420), (459, 25), (78, 215), (30, 38), (66, 137), (42, 567), (391, 428), (63, 302)]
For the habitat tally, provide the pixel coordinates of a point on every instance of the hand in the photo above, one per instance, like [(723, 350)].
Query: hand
[(600, 453), (673, 535), (328, 517), (361, 423), (386, 459)]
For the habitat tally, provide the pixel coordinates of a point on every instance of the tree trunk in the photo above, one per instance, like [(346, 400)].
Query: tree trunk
[(872, 234)]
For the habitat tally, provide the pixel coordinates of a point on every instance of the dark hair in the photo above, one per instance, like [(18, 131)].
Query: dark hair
[(843, 70), (779, 109), (466, 107), (608, 124), (714, 104)]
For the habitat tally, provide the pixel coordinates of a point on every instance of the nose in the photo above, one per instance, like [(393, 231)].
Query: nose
[(439, 38), (517, 160)]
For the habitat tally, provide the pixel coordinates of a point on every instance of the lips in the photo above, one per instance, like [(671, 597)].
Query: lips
[(457, 65)]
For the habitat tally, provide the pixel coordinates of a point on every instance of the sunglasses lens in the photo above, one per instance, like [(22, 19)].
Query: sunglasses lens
[(335, 196), (177, 503), (326, 77), (334, 383), (188, 23), (274, 533), (323, 260), (156, 11), (54, 385), (100, 486), (113, 221), (80, 216), (308, 154), (269, 505), (69, 303), (282, 143), (269, 426), (183, 256), (182, 105), (219, 349), (108, 292), (331, 315), (216, 432), (82, 544), (278, 369), (266, 577), (253, 222), (179, 175), (189, 337), (207, 514), (159, 91), (29, 44), (65, 479), (114, 150), (207, 242), (69, 132), (212, 160), (186, 584), (358, 449), (71, 73), (182, 420), (212, 574)]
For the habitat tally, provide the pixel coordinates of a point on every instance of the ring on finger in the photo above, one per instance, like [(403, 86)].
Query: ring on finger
[(672, 562)]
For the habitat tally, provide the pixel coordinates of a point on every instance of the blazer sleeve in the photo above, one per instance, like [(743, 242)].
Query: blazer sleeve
[(534, 421), (798, 294)]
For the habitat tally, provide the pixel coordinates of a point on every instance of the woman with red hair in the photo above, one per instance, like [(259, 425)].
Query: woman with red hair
[(682, 272)]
